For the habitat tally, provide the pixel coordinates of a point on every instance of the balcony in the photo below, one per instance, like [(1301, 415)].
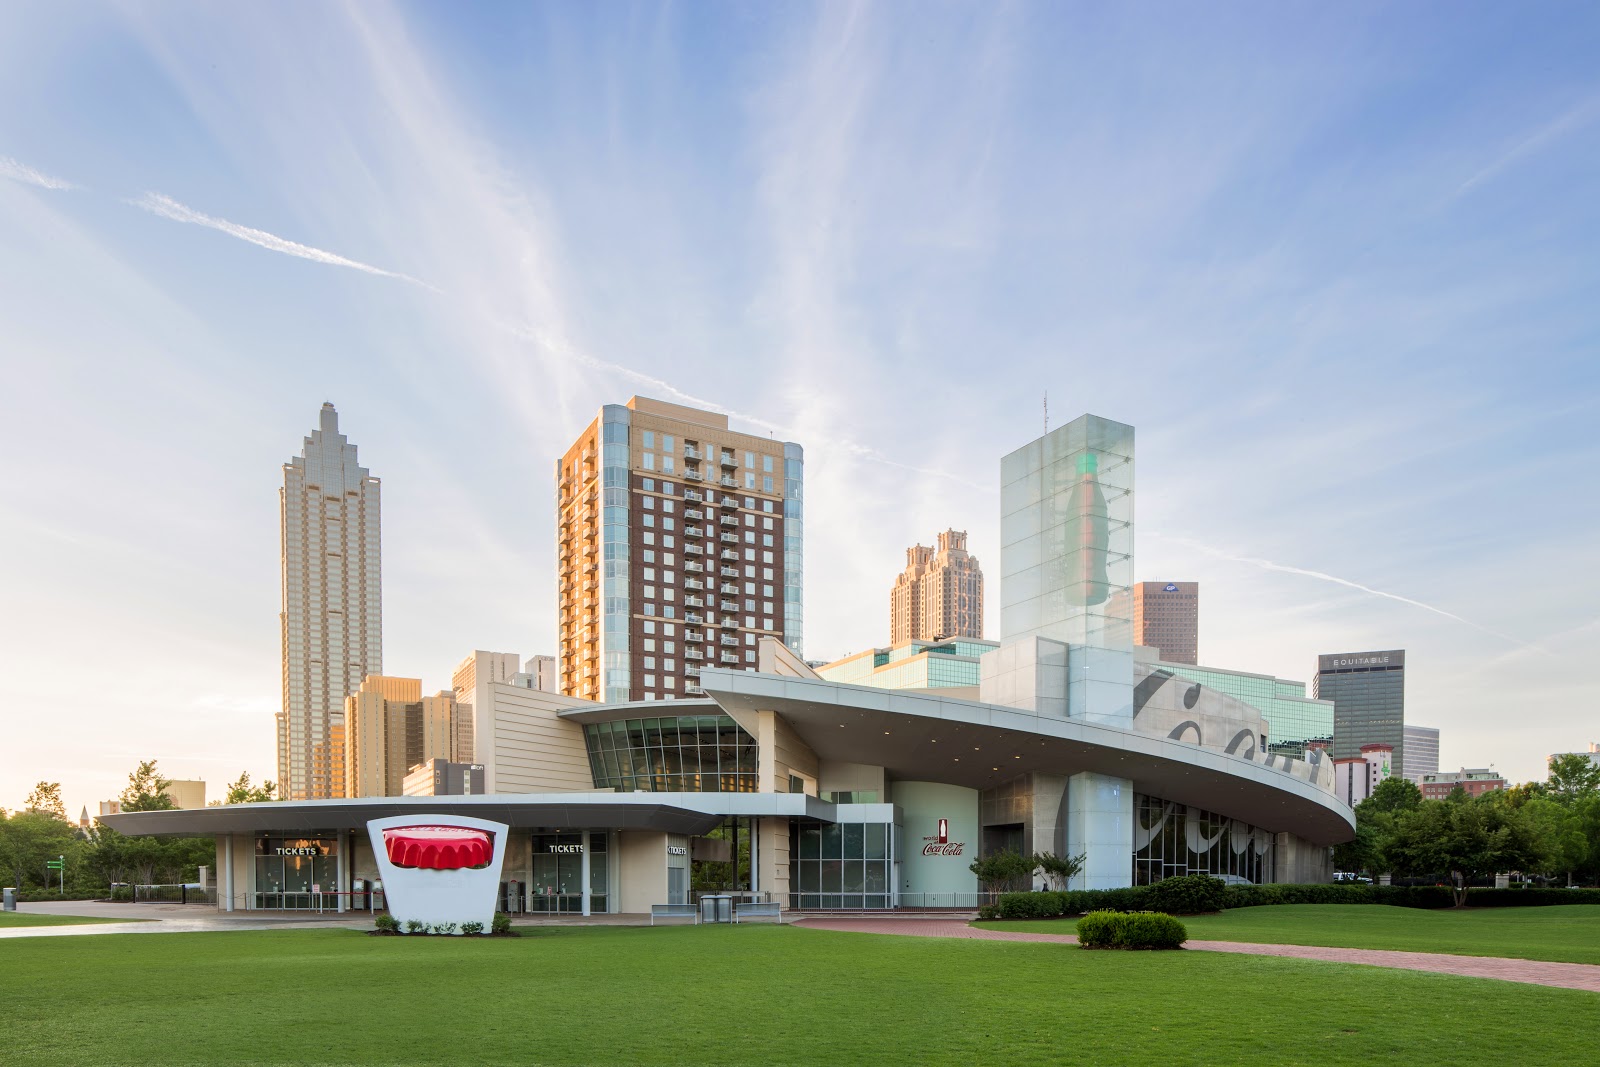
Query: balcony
[(693, 531), (730, 539), (693, 550), (693, 583), (729, 639), (729, 520), (729, 572), (692, 476), (692, 653), (730, 621), (729, 501), (729, 460), (728, 657), (693, 568), (729, 481), (728, 605), (727, 553), (693, 689), (693, 514), (692, 453), (693, 602), (691, 617), (693, 635), (730, 589), (692, 496)]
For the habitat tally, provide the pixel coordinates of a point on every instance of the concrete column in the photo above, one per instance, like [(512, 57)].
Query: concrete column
[(342, 886), (1100, 827), (587, 841), (227, 868)]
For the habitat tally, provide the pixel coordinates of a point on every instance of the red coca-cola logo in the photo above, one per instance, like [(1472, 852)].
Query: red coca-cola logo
[(942, 848)]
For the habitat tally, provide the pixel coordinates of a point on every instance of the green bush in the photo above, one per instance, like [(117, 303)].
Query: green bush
[(501, 925), (414, 926), (1515, 898), (1044, 905), (387, 924), (472, 929), (1130, 930), (1189, 894)]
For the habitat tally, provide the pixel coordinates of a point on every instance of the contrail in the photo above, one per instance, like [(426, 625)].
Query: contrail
[(21, 172), (1284, 568), (168, 208)]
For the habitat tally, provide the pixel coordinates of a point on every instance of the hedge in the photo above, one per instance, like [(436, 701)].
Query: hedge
[(1130, 930), (1198, 893)]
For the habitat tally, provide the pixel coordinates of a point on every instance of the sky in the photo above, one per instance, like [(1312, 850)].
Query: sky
[(1337, 264)]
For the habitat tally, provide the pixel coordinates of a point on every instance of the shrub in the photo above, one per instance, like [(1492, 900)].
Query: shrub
[(445, 929), (1188, 894), (472, 929), (415, 927), (1131, 930), (501, 925), (386, 924), (1046, 905)]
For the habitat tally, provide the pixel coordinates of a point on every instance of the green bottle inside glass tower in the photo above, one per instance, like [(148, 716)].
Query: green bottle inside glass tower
[(1087, 536)]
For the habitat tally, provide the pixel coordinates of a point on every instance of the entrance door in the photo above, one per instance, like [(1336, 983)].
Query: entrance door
[(677, 885)]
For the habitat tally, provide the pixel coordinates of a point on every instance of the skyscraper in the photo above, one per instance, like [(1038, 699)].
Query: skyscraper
[(1422, 751), (679, 544), (1166, 616), (1368, 690), (939, 595), (332, 618)]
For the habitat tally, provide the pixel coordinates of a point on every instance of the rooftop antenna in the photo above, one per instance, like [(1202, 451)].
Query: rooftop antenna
[(1047, 411)]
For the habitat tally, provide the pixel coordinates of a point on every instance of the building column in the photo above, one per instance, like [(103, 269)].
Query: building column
[(1100, 828), (228, 871), (587, 841), (342, 884)]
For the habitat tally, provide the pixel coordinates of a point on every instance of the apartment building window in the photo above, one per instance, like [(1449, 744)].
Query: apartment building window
[(649, 461), (666, 442)]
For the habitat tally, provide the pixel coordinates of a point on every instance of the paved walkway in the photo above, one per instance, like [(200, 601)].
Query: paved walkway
[(1534, 972)]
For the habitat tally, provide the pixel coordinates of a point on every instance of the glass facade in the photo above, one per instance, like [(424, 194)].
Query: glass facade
[(616, 675), (841, 865), (1170, 840), (288, 867), (1293, 719), (1066, 536), (684, 753), (914, 665), (557, 885), (1368, 690), (794, 570)]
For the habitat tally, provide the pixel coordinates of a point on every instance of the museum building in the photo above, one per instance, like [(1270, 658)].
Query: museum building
[(777, 784)]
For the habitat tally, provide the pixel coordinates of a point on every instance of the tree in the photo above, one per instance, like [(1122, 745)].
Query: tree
[(46, 797), (1058, 870), (1559, 832), (241, 791), (28, 841), (1466, 838), (1393, 795), (147, 790), (1000, 871), (1572, 775)]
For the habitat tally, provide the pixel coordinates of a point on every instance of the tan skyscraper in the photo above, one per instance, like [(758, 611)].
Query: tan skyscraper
[(939, 594), (679, 545), (1166, 615), (390, 728), (332, 611)]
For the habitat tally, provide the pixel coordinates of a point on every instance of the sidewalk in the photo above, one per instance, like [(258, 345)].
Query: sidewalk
[(1533, 972)]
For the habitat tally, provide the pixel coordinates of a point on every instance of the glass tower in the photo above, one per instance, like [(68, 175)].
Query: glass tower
[(1368, 690), (1066, 535)]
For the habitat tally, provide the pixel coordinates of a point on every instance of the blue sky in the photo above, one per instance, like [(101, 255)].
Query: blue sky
[(1337, 264)]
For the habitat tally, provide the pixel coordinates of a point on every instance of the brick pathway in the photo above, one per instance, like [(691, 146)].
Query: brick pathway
[(1536, 972)]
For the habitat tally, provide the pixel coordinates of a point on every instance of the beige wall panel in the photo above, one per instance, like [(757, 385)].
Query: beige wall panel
[(642, 860)]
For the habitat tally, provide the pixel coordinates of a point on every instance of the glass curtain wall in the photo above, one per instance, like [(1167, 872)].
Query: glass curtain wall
[(686, 753), (1171, 839), (840, 865)]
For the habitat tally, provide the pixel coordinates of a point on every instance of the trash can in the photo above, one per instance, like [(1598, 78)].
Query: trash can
[(716, 909), (11, 899)]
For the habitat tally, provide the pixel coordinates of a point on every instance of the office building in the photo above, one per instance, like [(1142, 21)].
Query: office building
[(679, 546), (939, 595), (185, 793), (826, 794), (1368, 690), (474, 714), (1166, 617), (332, 610), (1422, 752), (1355, 777), (1473, 781), (540, 673), (389, 728), (949, 665), (442, 778)]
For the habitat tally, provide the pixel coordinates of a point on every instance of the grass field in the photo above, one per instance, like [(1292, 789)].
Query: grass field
[(22, 918), (1566, 933), (770, 995)]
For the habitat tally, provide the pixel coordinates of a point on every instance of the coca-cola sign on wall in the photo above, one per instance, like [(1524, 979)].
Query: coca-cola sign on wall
[(940, 844)]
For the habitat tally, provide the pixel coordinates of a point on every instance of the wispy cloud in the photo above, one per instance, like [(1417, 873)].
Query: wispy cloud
[(1285, 568), (21, 172), (168, 208), (1569, 121)]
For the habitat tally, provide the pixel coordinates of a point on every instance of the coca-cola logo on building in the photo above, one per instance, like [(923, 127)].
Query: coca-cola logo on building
[(940, 844)]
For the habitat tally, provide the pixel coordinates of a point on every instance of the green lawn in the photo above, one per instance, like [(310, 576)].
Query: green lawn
[(738, 995), (1566, 933), (25, 918)]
